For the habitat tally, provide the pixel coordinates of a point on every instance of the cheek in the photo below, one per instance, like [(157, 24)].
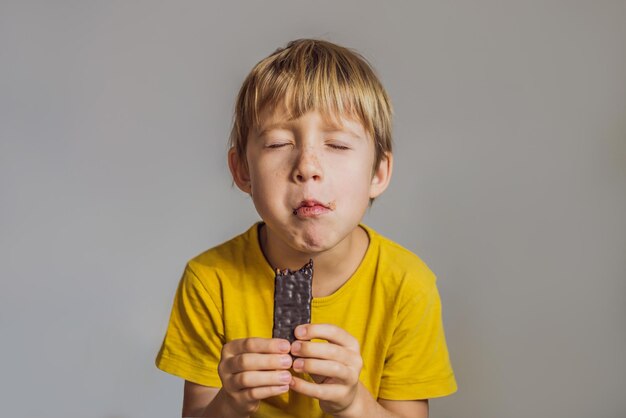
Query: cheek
[(267, 190), (267, 180), (257, 170), (354, 185)]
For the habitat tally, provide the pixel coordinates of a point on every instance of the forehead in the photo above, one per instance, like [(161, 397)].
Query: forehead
[(280, 117)]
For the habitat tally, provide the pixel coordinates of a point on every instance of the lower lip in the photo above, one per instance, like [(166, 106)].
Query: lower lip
[(311, 211)]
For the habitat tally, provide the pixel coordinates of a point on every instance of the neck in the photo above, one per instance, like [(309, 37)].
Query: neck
[(332, 267)]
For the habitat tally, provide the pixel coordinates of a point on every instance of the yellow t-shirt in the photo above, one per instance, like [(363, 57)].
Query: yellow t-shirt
[(390, 305)]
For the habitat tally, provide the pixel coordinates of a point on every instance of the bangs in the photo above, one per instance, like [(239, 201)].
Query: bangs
[(313, 80)]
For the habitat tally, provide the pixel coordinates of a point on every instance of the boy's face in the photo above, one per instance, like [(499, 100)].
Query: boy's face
[(310, 180)]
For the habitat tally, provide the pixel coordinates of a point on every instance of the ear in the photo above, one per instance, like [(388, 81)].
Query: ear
[(239, 171), (382, 176)]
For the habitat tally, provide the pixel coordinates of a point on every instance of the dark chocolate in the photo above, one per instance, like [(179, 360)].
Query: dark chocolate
[(293, 292)]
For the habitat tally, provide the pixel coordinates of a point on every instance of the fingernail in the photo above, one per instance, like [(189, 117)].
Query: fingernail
[(285, 361), (283, 389), (300, 331), (283, 346), (298, 364), (295, 347), (285, 377)]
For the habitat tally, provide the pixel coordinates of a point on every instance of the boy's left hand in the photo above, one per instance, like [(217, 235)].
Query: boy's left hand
[(334, 366)]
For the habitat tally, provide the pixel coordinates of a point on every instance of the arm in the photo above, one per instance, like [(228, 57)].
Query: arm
[(413, 409), (196, 398), (364, 406), (204, 401)]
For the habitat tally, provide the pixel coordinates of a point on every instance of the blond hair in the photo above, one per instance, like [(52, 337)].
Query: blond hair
[(311, 74)]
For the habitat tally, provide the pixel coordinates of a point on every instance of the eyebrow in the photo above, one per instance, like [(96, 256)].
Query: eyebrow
[(342, 130), (331, 128), (273, 126)]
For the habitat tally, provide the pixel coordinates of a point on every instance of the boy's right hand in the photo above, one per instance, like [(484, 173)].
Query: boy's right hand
[(252, 369)]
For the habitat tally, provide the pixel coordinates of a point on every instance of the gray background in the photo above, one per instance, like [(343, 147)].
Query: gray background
[(510, 182)]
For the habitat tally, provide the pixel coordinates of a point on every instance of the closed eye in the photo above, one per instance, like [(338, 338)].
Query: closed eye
[(279, 145), (338, 147)]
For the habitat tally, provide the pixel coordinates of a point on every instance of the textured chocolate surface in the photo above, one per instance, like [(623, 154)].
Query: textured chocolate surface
[(293, 291)]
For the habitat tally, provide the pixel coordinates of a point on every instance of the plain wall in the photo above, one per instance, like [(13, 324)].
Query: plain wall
[(510, 182)]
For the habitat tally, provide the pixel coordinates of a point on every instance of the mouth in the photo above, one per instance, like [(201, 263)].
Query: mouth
[(311, 208)]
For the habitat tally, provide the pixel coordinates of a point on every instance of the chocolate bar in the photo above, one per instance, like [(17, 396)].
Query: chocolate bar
[(293, 291)]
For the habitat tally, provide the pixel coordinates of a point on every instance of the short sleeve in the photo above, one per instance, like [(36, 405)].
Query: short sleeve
[(193, 341), (417, 364)]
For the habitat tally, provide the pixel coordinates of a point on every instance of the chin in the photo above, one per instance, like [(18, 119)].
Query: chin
[(316, 240), (307, 244)]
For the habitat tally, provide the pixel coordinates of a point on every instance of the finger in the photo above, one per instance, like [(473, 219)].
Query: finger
[(326, 368), (263, 392), (328, 332), (248, 380), (253, 361), (322, 392), (326, 351), (257, 345)]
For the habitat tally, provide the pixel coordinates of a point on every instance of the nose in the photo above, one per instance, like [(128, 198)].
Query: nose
[(307, 166)]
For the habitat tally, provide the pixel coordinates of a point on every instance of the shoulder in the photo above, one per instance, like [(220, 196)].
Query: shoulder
[(225, 256), (228, 260), (401, 268)]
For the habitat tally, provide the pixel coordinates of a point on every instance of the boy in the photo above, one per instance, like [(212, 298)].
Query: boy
[(311, 145)]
